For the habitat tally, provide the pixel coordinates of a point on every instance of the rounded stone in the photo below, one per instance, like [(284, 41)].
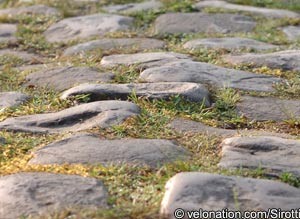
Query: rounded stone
[(139, 44), (62, 78), (268, 108), (12, 99), (7, 33), (273, 154), (267, 12), (87, 26), (205, 73), (90, 149), (192, 191), (189, 91), (86, 116), (25, 194), (285, 60), (229, 43), (292, 32), (173, 23), (150, 59)]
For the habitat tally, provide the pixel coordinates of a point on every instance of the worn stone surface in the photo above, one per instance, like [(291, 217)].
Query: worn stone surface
[(286, 60), (78, 37), (190, 91), (25, 194), (197, 190), (116, 43), (151, 152), (150, 59), (34, 9), (292, 32), (87, 26), (24, 56), (7, 33), (204, 23), (133, 7), (267, 12), (268, 108), (229, 43), (97, 114), (11, 99), (274, 154), (62, 78), (184, 125), (200, 72)]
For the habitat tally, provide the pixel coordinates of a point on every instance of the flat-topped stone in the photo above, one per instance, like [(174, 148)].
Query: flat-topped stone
[(200, 72), (63, 78), (86, 26), (229, 43), (23, 56), (133, 7), (268, 108), (26, 194), (149, 59), (292, 32), (212, 192), (7, 33), (267, 12), (189, 91), (172, 23), (274, 154), (12, 99), (139, 44), (30, 10), (286, 60), (90, 149), (185, 125), (86, 116)]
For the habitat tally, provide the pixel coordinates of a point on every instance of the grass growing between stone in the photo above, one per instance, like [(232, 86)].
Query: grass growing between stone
[(10, 79), (144, 19), (126, 74), (42, 101), (30, 32), (18, 144), (10, 60), (136, 192), (291, 88), (31, 37), (157, 114)]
